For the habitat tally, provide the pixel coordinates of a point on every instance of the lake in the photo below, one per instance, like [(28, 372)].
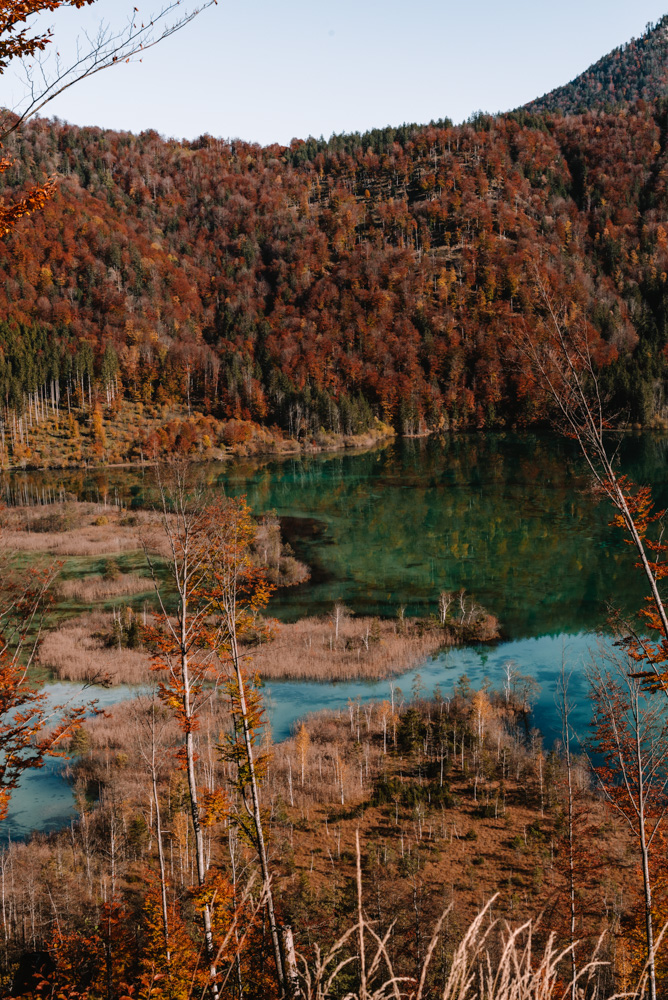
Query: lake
[(508, 517)]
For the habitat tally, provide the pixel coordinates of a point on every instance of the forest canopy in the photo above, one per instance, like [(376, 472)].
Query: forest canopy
[(321, 285)]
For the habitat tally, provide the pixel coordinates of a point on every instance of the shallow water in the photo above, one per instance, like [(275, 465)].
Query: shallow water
[(539, 657), (44, 800), (505, 516)]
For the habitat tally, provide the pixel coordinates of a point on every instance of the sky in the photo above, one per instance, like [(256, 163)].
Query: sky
[(270, 70)]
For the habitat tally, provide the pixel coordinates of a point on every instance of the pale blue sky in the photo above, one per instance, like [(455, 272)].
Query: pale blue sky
[(267, 71)]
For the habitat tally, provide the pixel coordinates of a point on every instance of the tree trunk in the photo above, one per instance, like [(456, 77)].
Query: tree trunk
[(647, 884), (161, 857), (256, 813), (197, 829)]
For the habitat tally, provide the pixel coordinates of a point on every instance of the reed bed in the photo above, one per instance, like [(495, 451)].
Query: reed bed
[(84, 542), (311, 649), (79, 651), (80, 529), (98, 588)]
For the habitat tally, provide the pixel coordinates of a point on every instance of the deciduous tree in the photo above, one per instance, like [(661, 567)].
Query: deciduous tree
[(184, 643), (24, 39), (237, 592)]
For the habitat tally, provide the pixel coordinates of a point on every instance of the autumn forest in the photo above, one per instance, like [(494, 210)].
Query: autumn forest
[(321, 286)]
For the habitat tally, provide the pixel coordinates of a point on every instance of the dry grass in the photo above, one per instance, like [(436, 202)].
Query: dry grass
[(407, 861), (80, 529), (79, 651), (306, 650), (99, 588), (364, 648), (493, 961), (94, 530), (416, 852)]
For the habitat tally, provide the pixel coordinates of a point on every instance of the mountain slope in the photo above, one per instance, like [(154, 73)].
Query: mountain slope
[(326, 284), (635, 71), (319, 286)]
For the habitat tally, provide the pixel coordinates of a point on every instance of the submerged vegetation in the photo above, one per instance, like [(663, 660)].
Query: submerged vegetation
[(105, 646)]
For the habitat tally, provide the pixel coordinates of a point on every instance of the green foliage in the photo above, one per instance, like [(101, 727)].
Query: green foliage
[(411, 731), (410, 793), (112, 570), (80, 743), (488, 811)]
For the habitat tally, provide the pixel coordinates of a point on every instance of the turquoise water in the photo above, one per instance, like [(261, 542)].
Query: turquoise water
[(504, 516), (44, 800), (507, 517), (539, 657)]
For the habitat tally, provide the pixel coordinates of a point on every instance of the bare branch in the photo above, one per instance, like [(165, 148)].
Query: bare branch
[(47, 77)]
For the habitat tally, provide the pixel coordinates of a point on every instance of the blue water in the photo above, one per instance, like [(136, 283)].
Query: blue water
[(541, 658), (44, 800)]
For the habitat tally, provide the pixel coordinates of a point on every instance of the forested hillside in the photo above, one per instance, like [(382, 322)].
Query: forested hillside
[(636, 71), (322, 285)]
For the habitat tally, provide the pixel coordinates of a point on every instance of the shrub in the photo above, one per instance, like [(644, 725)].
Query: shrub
[(55, 521), (112, 570), (486, 811), (409, 794)]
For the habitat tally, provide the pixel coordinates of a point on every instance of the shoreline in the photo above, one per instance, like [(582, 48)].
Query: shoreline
[(260, 443), (366, 650), (284, 448)]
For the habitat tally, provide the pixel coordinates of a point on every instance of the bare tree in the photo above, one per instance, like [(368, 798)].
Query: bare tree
[(565, 708), (445, 602), (151, 730), (339, 614), (561, 359), (630, 734)]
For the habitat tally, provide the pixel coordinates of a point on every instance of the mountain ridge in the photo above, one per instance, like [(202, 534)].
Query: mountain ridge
[(636, 70)]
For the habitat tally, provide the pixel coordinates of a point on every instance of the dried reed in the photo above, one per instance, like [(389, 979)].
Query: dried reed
[(97, 588), (493, 961), (310, 649), (79, 651)]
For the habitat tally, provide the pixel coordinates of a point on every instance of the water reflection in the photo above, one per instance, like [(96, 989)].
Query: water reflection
[(505, 516)]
